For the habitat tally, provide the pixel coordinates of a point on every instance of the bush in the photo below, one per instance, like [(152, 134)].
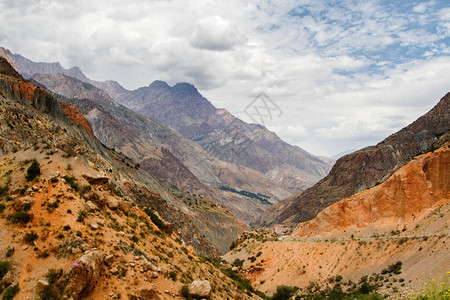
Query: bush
[(2, 207), (53, 275), (238, 262), (5, 265), (33, 171), (10, 251), (51, 292), (72, 181), (185, 292), (81, 215), (19, 217), (338, 278), (30, 237), (155, 219), (173, 275), (284, 292), (11, 292)]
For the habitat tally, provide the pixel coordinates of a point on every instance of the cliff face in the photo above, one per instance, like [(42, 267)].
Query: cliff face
[(365, 168), (400, 202), (75, 114)]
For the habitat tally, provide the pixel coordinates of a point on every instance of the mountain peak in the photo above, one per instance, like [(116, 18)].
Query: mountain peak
[(159, 84), (185, 89)]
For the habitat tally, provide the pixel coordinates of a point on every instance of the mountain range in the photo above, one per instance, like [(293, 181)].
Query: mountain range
[(151, 176)]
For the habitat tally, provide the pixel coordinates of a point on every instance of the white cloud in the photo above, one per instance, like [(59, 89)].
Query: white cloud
[(343, 75)]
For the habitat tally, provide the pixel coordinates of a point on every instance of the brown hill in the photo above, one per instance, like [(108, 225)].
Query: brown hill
[(399, 203), (404, 219), (365, 168)]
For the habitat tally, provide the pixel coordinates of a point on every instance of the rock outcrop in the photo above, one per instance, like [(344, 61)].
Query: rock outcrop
[(82, 276)]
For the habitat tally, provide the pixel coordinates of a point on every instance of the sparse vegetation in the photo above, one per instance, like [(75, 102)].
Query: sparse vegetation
[(10, 292), (155, 219), (21, 217), (33, 171), (72, 181), (284, 292), (82, 213), (30, 237)]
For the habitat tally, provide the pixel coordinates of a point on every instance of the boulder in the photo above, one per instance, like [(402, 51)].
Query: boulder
[(80, 279), (109, 259), (90, 206), (41, 284), (112, 203), (200, 289), (148, 292), (96, 180)]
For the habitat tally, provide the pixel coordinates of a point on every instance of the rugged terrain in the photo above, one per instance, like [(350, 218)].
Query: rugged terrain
[(365, 168), (54, 241), (404, 219), (164, 152), (30, 115), (222, 135)]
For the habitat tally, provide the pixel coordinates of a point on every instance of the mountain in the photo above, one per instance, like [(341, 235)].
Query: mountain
[(365, 168), (224, 136), (70, 221), (391, 239), (164, 152), (30, 115)]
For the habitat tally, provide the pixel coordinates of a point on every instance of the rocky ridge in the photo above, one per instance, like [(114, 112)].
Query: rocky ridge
[(365, 168)]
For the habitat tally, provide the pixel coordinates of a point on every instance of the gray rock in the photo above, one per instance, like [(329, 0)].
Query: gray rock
[(90, 206), (200, 289)]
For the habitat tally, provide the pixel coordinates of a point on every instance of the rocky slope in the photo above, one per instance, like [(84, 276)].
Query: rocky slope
[(365, 168), (162, 151), (30, 115), (67, 234), (404, 219)]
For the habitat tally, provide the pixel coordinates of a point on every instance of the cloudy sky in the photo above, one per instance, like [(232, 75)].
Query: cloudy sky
[(345, 74)]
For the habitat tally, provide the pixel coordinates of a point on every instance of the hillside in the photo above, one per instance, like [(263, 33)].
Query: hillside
[(405, 219), (365, 168), (29, 115), (164, 152)]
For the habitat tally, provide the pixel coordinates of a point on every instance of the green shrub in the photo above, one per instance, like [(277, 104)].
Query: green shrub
[(53, 275), (5, 266), (81, 215), (238, 263), (184, 292), (33, 171), (338, 278), (284, 292), (72, 181), (173, 275), (19, 217), (11, 292), (155, 219), (10, 251), (30, 237)]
